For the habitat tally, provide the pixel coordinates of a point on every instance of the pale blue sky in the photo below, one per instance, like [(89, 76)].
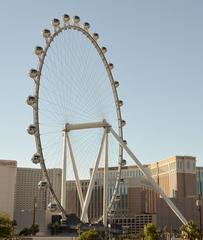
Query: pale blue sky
[(157, 49)]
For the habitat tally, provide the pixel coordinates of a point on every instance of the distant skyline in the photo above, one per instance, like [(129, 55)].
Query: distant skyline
[(157, 50)]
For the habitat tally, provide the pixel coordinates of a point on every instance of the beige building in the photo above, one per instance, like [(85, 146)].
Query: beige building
[(7, 186), (139, 204), (96, 203), (27, 190), (176, 175)]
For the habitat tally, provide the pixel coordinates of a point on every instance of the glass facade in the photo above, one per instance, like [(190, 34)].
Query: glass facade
[(199, 180)]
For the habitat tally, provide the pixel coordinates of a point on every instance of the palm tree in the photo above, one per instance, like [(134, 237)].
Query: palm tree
[(34, 229), (89, 235), (151, 232), (190, 231)]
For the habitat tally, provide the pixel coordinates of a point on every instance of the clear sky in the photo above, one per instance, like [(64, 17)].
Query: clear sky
[(157, 49)]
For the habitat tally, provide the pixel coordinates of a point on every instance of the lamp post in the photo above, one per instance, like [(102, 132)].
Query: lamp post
[(34, 211), (24, 217), (199, 204), (199, 207), (109, 228)]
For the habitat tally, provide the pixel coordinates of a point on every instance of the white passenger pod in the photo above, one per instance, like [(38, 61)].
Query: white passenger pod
[(52, 207), (42, 184), (36, 158), (32, 129)]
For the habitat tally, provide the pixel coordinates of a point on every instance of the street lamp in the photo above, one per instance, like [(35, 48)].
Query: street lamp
[(109, 228), (199, 207), (199, 204), (34, 211), (24, 219)]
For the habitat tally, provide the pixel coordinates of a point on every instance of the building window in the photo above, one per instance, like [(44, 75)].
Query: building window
[(180, 165), (188, 165), (174, 193), (172, 166), (163, 169)]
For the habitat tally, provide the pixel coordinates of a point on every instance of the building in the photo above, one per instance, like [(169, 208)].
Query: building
[(73, 203), (176, 176), (7, 186), (137, 200), (199, 181), (27, 194), (95, 209), (138, 203), (168, 220), (134, 189)]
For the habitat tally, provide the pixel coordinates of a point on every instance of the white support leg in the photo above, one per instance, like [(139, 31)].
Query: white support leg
[(78, 185), (63, 183), (150, 179), (105, 190), (92, 181)]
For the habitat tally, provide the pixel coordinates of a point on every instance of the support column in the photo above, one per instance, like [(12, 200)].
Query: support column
[(92, 181), (77, 180), (149, 178), (105, 190), (63, 184)]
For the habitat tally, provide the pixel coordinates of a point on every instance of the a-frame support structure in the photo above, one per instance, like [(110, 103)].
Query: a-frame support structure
[(84, 202)]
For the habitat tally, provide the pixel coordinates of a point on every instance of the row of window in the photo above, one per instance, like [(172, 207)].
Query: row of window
[(183, 165), (124, 173)]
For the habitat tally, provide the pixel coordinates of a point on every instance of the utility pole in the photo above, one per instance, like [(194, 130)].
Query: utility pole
[(199, 205), (34, 211)]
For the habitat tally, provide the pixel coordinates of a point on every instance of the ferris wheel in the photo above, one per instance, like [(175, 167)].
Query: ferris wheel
[(77, 121), (75, 94)]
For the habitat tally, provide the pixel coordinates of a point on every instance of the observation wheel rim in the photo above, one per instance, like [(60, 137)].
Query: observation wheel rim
[(36, 114)]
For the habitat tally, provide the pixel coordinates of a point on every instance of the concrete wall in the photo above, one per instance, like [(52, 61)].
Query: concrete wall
[(166, 218)]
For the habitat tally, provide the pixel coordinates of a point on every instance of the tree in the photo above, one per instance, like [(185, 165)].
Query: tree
[(54, 227), (30, 231), (14, 223), (89, 235), (34, 229), (139, 235), (151, 232), (6, 226), (25, 232), (190, 231)]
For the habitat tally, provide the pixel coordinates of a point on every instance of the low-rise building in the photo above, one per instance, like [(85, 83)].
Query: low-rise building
[(138, 203), (178, 178), (31, 201)]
